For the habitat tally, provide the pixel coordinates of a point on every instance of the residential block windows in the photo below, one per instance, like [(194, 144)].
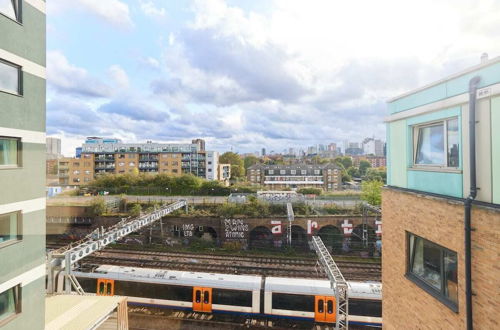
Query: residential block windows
[(10, 228), (10, 8), (10, 304), (437, 143), (9, 150), (434, 268), (10, 76)]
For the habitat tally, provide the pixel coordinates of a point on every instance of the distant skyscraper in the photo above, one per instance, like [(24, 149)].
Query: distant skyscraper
[(200, 143), (263, 151), (53, 147), (332, 147)]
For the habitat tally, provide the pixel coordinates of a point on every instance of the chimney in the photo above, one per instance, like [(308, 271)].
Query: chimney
[(484, 58)]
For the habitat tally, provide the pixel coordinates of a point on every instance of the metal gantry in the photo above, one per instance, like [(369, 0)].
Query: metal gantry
[(337, 282), (291, 217), (63, 258)]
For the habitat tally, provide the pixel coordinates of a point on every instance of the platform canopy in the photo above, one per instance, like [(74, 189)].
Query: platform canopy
[(75, 312)]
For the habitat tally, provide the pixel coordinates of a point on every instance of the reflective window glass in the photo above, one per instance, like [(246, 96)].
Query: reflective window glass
[(452, 145), (9, 151), (9, 77), (9, 8), (9, 227), (430, 148), (8, 303)]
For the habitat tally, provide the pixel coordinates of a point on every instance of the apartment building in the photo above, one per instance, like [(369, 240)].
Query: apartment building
[(441, 208), (275, 177), (111, 156), (374, 161), (22, 164)]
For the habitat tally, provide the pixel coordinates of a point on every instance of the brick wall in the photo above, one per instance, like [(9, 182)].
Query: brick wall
[(407, 306)]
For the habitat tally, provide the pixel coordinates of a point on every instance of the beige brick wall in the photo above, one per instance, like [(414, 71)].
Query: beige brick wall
[(407, 306)]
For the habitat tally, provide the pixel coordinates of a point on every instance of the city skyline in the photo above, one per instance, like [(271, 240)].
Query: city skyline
[(246, 75)]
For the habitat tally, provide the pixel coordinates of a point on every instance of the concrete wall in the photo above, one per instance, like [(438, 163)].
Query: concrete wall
[(407, 306)]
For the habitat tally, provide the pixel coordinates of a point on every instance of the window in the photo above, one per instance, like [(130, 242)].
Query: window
[(9, 151), (121, 164), (303, 172), (175, 163), (437, 144), (86, 164), (232, 297), (87, 172), (86, 179), (10, 8), (434, 268), (86, 156), (10, 76), (76, 164), (175, 170), (10, 227), (10, 304), (271, 172), (76, 172), (294, 302), (316, 171), (131, 164)]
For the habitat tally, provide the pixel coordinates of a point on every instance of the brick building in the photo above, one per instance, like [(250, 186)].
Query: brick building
[(278, 177), (438, 272), (375, 161)]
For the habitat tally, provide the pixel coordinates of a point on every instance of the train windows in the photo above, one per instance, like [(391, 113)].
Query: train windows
[(294, 302), (206, 297), (198, 296), (329, 306), (434, 268), (321, 306), (232, 297), (364, 307), (154, 291)]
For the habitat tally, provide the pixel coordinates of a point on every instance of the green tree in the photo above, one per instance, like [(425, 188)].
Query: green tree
[(135, 210), (371, 192), (374, 174), (249, 161), (345, 161), (353, 172), (98, 206), (237, 165), (363, 166)]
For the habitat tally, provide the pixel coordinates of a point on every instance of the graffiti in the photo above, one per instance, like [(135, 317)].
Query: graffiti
[(276, 228), (378, 223), (347, 227), (310, 225), (187, 229), (235, 228)]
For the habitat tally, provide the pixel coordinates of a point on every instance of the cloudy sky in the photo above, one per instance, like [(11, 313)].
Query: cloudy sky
[(250, 74)]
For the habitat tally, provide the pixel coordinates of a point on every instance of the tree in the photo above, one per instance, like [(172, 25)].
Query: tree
[(249, 161), (371, 192), (353, 172), (237, 165), (373, 174), (98, 206), (363, 166), (345, 161), (135, 211)]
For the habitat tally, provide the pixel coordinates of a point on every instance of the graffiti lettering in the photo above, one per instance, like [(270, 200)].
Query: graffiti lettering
[(347, 227), (235, 228), (276, 228), (310, 225)]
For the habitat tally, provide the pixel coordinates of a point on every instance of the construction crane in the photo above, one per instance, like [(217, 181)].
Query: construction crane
[(62, 259), (337, 283)]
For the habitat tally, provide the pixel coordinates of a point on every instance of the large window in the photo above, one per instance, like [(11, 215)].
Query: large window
[(437, 144), (434, 268), (10, 77), (294, 302), (10, 227), (11, 9), (9, 152), (9, 304)]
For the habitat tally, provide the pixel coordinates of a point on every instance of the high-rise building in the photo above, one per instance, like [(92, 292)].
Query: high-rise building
[(332, 147), (212, 165), (373, 147), (200, 143), (53, 147), (22, 164), (441, 206), (263, 153)]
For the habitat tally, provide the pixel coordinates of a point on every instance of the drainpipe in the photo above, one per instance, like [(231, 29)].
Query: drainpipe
[(473, 83)]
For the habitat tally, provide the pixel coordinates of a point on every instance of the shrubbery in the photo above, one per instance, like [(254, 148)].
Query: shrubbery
[(310, 191)]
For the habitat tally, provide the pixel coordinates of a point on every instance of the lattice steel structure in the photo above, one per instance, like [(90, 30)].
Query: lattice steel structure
[(63, 258), (337, 282), (291, 217)]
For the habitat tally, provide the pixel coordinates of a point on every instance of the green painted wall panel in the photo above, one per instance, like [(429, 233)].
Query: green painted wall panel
[(489, 75), (32, 316), (397, 154), (449, 184), (495, 148), (29, 252), (27, 182), (27, 111), (27, 39)]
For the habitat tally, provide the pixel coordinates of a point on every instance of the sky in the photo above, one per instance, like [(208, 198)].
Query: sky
[(246, 75)]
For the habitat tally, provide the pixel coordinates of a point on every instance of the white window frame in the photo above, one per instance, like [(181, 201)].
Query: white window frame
[(416, 130), (19, 153)]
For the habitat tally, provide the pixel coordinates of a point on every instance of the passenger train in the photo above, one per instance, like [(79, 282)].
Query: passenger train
[(256, 296)]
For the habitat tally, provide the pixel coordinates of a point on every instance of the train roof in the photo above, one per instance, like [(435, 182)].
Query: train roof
[(173, 277), (360, 290)]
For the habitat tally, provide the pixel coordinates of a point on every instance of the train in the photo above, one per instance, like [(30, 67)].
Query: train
[(254, 296)]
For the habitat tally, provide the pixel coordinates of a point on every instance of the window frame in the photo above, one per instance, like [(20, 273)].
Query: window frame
[(19, 77), (438, 294), (19, 236), (415, 138), (19, 12), (19, 153), (17, 304)]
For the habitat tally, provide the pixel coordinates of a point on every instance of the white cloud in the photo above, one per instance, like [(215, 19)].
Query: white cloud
[(119, 76), (115, 12), (150, 9)]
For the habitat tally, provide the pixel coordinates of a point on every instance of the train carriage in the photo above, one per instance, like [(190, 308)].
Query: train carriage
[(202, 292)]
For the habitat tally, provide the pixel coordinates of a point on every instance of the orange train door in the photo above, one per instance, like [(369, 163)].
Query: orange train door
[(202, 299), (324, 309), (105, 287)]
